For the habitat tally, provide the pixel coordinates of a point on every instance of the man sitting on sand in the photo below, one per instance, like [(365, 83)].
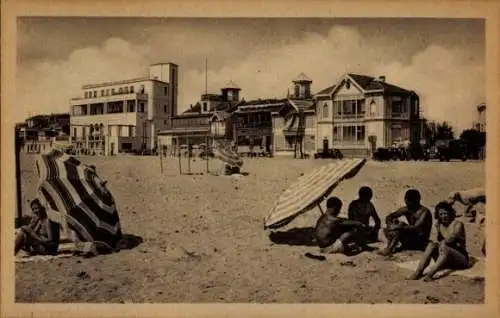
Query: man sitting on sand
[(450, 250), (332, 233), (41, 236), (362, 209), (413, 235)]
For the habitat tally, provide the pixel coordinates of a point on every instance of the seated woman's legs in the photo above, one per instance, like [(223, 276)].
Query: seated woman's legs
[(448, 258), (431, 252), (20, 241)]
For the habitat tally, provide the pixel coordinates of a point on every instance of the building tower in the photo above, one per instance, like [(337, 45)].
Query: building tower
[(231, 92), (168, 73), (302, 87)]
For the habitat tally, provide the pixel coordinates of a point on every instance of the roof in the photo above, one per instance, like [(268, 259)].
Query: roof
[(302, 78), (165, 63), (211, 97), (221, 115), (192, 115), (231, 85), (301, 104), (193, 109), (185, 131), (369, 83), (128, 81), (326, 91), (263, 101)]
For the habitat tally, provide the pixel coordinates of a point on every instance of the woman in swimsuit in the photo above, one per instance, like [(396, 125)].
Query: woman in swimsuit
[(41, 236), (450, 251)]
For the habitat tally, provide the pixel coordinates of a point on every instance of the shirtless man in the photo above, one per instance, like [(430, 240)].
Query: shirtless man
[(362, 209), (450, 249), (41, 236), (333, 233), (413, 235)]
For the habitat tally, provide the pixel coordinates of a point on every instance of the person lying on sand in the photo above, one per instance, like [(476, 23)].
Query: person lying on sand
[(332, 233), (413, 235), (450, 250), (362, 209), (469, 198), (41, 236)]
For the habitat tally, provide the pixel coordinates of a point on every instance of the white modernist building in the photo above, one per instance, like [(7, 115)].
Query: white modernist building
[(124, 116)]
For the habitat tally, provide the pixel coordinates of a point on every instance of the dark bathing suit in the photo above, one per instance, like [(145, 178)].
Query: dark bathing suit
[(418, 238), (46, 248), (459, 244)]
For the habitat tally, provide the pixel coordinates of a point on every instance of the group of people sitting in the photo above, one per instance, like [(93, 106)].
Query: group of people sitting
[(336, 234)]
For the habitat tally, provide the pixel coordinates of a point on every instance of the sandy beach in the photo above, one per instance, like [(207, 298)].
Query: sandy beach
[(203, 238)]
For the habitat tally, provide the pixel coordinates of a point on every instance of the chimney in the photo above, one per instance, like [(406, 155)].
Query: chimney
[(381, 78)]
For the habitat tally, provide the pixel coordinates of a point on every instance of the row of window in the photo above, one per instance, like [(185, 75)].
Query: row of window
[(112, 108), (99, 130), (356, 134), (189, 122), (356, 108), (115, 91)]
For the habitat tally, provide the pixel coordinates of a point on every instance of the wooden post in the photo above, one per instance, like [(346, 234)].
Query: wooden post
[(19, 200), (320, 209), (189, 156), (178, 154), (206, 152), (160, 153)]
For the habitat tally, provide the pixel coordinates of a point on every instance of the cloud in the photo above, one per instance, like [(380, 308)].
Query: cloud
[(449, 80)]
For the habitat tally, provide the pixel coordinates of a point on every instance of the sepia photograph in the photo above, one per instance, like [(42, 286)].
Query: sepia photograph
[(283, 160)]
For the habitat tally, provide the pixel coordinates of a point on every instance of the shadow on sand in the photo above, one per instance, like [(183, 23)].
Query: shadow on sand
[(297, 236), (130, 241)]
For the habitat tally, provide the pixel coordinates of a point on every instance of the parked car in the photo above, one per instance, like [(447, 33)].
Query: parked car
[(329, 154), (451, 149), (386, 154), (418, 152)]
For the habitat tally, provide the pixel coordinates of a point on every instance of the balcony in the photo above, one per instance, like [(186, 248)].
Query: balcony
[(109, 98), (404, 116), (349, 116)]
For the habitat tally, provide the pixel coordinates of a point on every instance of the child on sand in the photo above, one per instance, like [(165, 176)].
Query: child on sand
[(450, 250), (333, 233), (413, 235), (362, 210), (41, 236)]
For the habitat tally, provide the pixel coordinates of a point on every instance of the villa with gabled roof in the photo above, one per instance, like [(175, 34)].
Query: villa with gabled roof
[(360, 113)]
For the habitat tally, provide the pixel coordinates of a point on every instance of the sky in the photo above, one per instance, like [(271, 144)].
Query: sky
[(443, 60)]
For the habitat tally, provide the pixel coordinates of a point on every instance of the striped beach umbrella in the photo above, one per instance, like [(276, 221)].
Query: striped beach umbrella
[(227, 155), (309, 190), (79, 201)]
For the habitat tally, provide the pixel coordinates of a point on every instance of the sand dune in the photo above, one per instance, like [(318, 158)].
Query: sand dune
[(204, 239)]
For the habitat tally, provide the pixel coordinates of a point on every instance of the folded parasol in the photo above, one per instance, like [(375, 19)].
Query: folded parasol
[(227, 155), (78, 199)]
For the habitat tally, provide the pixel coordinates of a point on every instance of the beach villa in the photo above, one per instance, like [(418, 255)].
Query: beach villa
[(208, 118), (360, 113), (125, 115)]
